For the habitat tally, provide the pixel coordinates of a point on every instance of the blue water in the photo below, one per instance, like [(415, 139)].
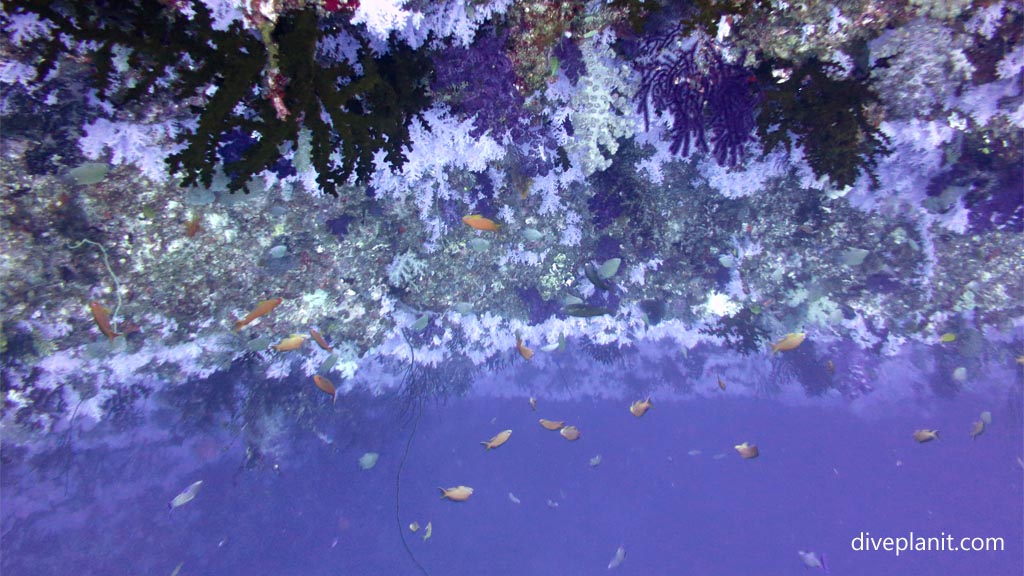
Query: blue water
[(823, 477)]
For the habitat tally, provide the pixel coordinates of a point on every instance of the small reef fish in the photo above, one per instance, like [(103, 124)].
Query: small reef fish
[(186, 495), (101, 315), (570, 433), (262, 309), (551, 424), (193, 226), (977, 429), (813, 560), (694, 452), (789, 342), (640, 407), (947, 338), (326, 385), (986, 417), (718, 456), (923, 436), (620, 555), (414, 527), (499, 439), (369, 460), (747, 451), (523, 350), (592, 274), (721, 383), (478, 222), (552, 504), (533, 403), (292, 342), (586, 311), (513, 499), (428, 531), (456, 493), (595, 461), (319, 339), (830, 367), (177, 569)]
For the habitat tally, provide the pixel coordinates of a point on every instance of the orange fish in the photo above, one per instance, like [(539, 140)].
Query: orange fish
[(193, 226), (292, 342), (523, 350), (640, 407), (320, 340), (101, 316), (478, 222), (326, 385), (721, 383), (570, 433), (923, 436), (456, 493), (499, 439), (789, 342), (262, 309), (747, 451), (551, 424)]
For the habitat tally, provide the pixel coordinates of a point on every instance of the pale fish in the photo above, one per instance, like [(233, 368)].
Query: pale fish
[(456, 493), (640, 407), (428, 531), (499, 439), (747, 450), (923, 435), (513, 498), (813, 560), (986, 417), (186, 495), (694, 452), (552, 504), (570, 433), (414, 527), (533, 403), (177, 569), (620, 555), (368, 460), (977, 429), (595, 461), (718, 456)]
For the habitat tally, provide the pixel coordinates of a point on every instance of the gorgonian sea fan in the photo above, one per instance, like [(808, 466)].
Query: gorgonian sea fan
[(687, 78), (480, 81)]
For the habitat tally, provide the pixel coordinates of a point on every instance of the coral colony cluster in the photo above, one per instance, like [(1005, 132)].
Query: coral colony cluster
[(673, 185)]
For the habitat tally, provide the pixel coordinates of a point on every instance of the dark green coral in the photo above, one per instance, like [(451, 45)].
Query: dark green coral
[(354, 114), (827, 117)]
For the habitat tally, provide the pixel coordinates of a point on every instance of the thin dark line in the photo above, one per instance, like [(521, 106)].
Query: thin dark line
[(418, 405)]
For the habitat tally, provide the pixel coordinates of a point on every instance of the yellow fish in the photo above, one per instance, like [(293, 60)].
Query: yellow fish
[(478, 222), (262, 309), (456, 493), (290, 343), (747, 451), (570, 433), (977, 429), (640, 407), (551, 424), (788, 343), (923, 436), (499, 439)]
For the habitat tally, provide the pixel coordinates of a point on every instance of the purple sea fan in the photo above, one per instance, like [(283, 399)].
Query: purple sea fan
[(687, 77), (480, 81)]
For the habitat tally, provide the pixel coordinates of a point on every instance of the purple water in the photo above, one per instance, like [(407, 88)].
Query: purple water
[(823, 477)]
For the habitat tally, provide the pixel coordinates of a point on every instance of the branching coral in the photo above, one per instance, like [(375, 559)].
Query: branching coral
[(270, 85), (703, 94), (827, 116)]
